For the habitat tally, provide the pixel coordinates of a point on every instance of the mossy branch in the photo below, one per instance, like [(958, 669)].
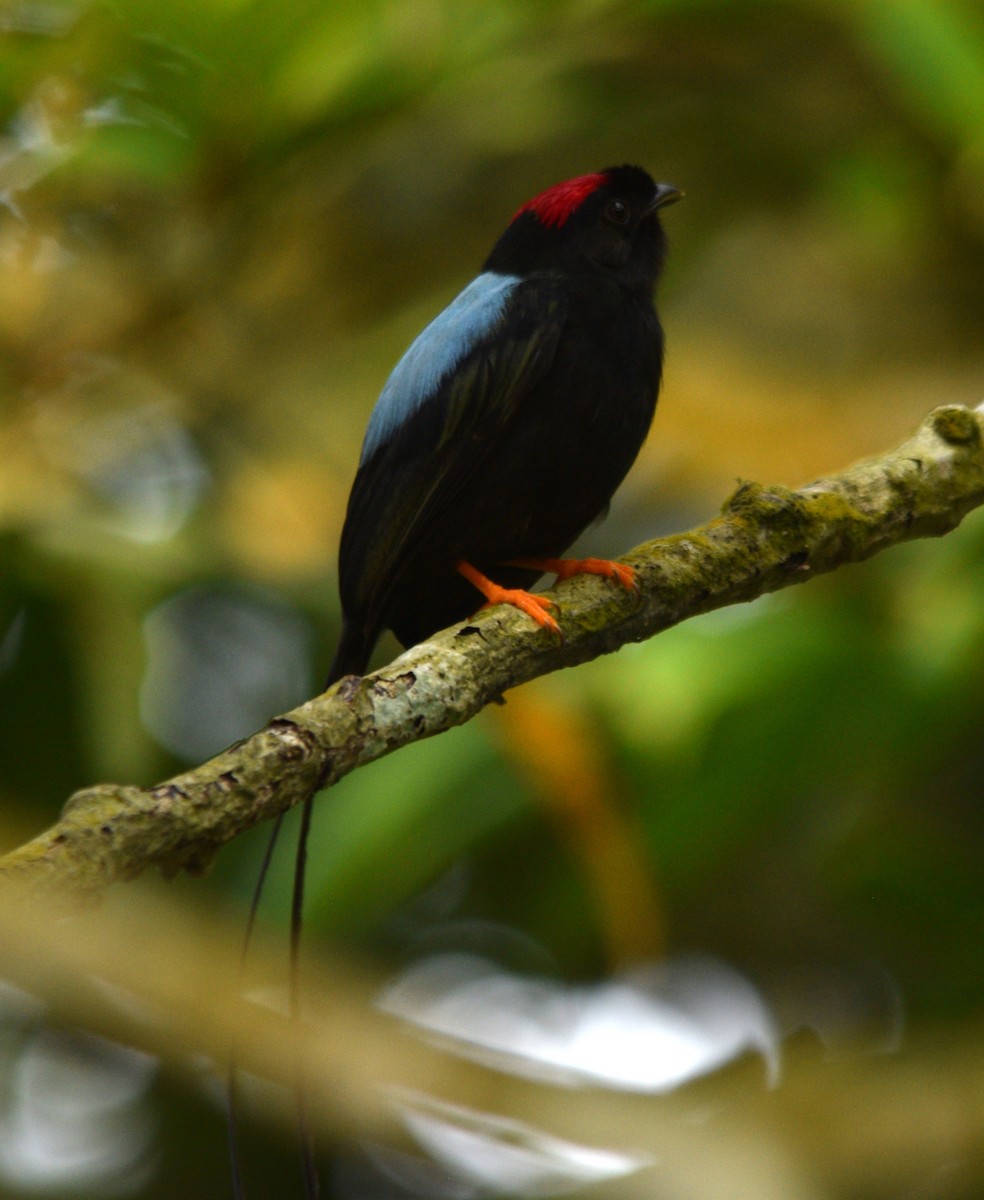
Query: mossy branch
[(766, 538)]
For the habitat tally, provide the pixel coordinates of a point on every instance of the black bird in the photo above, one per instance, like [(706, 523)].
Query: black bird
[(506, 427), (501, 434)]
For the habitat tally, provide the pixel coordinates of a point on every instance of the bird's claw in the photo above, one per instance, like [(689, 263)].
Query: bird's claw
[(530, 603)]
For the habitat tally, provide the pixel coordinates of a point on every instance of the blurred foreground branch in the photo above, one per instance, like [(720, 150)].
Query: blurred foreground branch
[(765, 539), (157, 976)]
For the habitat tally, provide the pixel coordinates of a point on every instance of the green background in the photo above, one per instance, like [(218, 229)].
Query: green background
[(223, 222)]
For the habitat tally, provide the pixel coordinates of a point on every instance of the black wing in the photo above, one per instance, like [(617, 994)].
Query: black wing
[(410, 481)]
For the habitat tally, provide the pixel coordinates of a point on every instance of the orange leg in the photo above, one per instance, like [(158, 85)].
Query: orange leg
[(564, 568), (534, 606)]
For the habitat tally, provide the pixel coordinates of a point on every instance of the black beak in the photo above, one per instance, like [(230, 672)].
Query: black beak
[(666, 194)]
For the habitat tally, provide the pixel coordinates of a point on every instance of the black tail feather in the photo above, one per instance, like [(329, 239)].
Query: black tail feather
[(308, 1167), (351, 658), (351, 654), (232, 1122)]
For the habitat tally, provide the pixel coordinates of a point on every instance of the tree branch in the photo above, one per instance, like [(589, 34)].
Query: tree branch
[(766, 538)]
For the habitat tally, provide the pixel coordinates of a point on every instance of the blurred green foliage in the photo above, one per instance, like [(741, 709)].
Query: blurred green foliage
[(220, 225)]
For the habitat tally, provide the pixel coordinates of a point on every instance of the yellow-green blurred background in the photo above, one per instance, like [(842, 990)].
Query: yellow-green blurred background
[(221, 223)]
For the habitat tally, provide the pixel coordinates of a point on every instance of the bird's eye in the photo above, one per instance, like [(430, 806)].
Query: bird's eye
[(617, 212)]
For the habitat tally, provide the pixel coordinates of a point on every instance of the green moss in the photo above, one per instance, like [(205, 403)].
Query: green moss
[(776, 509), (830, 508), (956, 424)]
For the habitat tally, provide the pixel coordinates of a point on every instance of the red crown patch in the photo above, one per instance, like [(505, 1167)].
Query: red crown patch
[(555, 205)]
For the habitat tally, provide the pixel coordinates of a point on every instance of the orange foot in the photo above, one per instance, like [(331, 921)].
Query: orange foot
[(564, 568), (534, 606)]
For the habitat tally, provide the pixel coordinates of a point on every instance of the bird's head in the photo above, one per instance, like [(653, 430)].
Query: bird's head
[(606, 221)]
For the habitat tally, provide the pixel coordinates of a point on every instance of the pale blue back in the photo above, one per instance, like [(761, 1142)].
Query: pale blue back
[(435, 353)]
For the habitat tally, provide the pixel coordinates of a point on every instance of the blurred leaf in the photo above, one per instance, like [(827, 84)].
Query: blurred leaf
[(935, 50)]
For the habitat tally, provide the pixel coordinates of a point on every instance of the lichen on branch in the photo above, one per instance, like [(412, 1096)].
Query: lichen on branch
[(765, 538)]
